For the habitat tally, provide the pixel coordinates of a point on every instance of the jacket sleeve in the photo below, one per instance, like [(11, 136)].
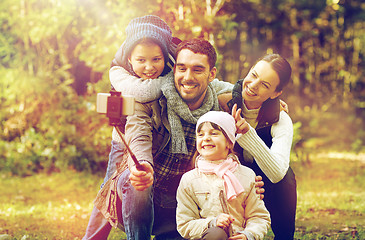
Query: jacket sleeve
[(138, 132), (221, 86), (189, 223), (274, 161), (143, 90), (256, 215)]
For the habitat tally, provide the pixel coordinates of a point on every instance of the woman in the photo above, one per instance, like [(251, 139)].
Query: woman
[(266, 137)]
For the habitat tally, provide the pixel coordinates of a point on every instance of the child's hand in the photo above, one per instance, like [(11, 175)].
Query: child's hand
[(241, 124), (141, 178), (239, 236), (224, 221)]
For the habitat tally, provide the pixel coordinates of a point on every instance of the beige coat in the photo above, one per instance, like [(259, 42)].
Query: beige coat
[(198, 204)]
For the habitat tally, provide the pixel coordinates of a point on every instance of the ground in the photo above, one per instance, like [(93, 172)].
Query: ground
[(331, 189)]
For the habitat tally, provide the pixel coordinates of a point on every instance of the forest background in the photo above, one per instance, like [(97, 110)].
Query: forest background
[(55, 56)]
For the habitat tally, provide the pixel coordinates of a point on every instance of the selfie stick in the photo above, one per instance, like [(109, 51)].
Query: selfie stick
[(223, 201), (114, 106), (138, 165)]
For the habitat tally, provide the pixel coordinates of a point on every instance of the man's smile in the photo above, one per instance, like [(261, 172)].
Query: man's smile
[(189, 86)]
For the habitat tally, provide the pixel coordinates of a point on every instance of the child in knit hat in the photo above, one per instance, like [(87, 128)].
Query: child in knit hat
[(141, 64), (218, 199), (149, 44)]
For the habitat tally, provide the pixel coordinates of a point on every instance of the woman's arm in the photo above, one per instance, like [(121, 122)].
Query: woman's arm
[(274, 161)]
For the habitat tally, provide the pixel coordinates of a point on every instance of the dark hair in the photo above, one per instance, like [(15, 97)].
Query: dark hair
[(199, 45), (281, 66)]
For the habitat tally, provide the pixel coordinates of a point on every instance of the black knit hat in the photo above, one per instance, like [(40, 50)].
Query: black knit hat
[(147, 27)]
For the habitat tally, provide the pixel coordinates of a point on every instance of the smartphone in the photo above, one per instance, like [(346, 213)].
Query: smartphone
[(114, 104)]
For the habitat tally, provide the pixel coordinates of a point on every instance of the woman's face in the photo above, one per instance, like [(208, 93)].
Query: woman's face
[(259, 85), (147, 60)]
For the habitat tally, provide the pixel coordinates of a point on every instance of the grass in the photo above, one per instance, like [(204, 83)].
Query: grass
[(331, 193)]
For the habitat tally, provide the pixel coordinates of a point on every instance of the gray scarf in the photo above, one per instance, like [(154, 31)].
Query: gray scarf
[(177, 109)]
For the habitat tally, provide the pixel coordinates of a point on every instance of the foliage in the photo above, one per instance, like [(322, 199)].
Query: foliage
[(55, 57), (326, 127), (330, 202), (50, 129)]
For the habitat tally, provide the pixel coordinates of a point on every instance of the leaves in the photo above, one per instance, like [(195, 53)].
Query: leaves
[(55, 57)]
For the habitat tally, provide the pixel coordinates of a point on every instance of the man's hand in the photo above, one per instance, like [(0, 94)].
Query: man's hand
[(241, 124), (259, 186), (141, 178)]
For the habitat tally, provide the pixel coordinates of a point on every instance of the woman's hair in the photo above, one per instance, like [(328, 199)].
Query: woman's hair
[(281, 66)]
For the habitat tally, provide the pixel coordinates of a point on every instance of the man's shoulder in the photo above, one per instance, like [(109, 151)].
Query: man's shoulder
[(221, 86)]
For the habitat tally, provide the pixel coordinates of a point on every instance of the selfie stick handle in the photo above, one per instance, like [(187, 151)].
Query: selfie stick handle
[(138, 165), (224, 204)]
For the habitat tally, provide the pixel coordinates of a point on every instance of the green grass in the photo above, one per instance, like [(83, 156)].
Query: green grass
[(331, 193)]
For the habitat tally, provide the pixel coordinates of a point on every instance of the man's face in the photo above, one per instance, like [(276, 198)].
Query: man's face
[(192, 76)]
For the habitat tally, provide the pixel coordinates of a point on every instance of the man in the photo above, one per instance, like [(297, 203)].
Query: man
[(162, 136), (185, 100)]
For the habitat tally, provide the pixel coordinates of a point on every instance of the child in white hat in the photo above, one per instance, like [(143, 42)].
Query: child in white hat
[(218, 199)]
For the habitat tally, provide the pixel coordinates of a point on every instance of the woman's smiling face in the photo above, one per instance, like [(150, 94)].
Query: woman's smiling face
[(259, 85)]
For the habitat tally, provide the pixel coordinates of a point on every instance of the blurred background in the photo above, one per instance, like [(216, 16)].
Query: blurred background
[(55, 56)]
